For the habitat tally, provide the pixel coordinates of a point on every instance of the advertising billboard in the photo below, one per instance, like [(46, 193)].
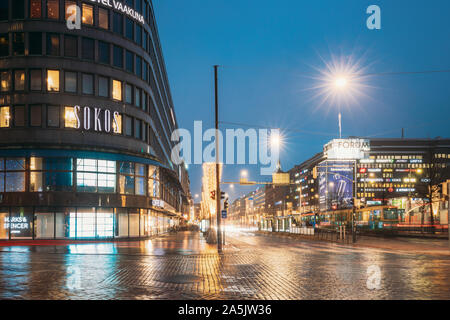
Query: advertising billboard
[(335, 185)]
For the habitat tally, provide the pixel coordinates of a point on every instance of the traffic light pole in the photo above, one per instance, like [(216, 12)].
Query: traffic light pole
[(218, 193)]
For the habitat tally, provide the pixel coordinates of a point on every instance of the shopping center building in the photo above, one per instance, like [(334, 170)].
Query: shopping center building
[(399, 172), (86, 117)]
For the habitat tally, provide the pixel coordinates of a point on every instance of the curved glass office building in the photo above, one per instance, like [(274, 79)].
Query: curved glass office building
[(85, 122)]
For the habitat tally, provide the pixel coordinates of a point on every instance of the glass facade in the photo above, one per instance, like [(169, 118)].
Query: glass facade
[(81, 223)]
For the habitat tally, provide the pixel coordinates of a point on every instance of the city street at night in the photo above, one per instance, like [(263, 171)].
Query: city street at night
[(252, 266)]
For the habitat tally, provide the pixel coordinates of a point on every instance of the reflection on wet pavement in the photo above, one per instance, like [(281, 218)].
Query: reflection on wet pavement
[(183, 266)]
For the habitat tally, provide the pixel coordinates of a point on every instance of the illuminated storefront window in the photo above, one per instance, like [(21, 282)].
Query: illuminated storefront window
[(88, 14), (53, 80), (121, 223), (140, 179), (44, 225), (82, 223), (5, 117), (105, 223), (96, 175), (117, 90), (70, 121), (20, 223)]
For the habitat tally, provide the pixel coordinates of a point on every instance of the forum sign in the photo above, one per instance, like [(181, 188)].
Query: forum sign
[(346, 149), (119, 6)]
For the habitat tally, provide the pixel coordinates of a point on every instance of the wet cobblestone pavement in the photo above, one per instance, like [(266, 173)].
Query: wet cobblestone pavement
[(183, 266)]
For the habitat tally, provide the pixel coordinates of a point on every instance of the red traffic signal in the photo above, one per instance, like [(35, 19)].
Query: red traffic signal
[(213, 195)]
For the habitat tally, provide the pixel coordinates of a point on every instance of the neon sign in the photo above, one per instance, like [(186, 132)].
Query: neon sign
[(17, 224), (103, 120), (122, 8)]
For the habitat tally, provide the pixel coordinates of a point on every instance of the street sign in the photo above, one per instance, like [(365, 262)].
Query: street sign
[(224, 214)]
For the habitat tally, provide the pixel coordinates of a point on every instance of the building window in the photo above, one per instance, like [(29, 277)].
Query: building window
[(35, 115), (118, 57), (145, 41), (53, 44), (138, 129), (117, 90), (18, 43), (128, 94), (4, 10), (137, 98), (35, 42), (72, 10), (70, 121), (153, 182), (44, 225), (96, 176), (88, 14), (14, 175), (139, 35), (19, 116), (87, 83), (103, 18), (70, 82), (35, 9), (118, 23), (126, 177), (53, 116), (103, 52), (19, 80), (103, 87), (53, 80), (105, 223), (70, 46), (58, 174), (140, 179), (128, 126), (144, 102), (53, 9), (5, 81), (139, 66), (5, 117), (117, 127), (88, 49), (129, 29), (18, 9), (4, 45), (129, 57)]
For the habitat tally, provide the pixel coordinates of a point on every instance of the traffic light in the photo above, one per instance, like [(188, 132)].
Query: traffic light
[(213, 195), (222, 195), (352, 202), (225, 204)]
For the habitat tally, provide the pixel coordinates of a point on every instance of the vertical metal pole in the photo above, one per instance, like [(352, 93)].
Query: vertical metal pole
[(448, 210), (354, 205), (218, 193)]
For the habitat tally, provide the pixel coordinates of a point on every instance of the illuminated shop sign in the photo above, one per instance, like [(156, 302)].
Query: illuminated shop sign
[(103, 119), (17, 224), (405, 189), (119, 6), (342, 149)]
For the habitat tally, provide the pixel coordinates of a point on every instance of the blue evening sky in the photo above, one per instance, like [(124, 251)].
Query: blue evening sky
[(271, 51)]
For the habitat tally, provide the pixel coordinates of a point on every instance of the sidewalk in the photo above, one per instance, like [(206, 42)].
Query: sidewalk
[(403, 244)]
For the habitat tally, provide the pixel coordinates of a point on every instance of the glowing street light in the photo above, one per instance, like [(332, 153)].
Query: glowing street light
[(244, 173)]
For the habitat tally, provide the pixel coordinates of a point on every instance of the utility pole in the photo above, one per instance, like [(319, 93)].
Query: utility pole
[(448, 209), (218, 193), (354, 204)]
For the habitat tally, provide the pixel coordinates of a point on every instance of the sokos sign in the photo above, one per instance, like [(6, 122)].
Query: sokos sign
[(346, 149), (103, 120)]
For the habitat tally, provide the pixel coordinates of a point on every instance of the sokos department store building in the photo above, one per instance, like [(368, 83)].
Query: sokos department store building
[(86, 117)]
